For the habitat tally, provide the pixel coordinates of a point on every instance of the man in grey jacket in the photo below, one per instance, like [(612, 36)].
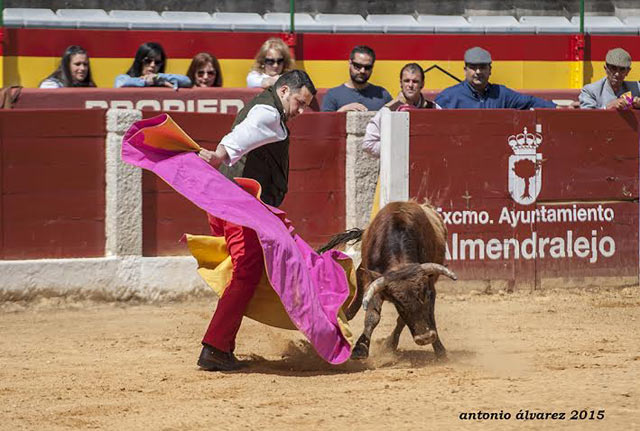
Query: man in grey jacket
[(612, 91)]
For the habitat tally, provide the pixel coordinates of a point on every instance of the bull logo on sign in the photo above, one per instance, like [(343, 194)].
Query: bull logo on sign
[(525, 167)]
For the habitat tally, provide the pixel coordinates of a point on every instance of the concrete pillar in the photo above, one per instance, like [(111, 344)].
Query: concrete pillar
[(394, 157), (361, 172), (123, 218)]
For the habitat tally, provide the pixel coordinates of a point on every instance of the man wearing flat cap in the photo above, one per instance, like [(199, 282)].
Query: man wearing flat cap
[(475, 92), (612, 91)]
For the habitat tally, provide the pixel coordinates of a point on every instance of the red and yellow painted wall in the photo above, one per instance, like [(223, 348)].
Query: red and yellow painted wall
[(520, 61)]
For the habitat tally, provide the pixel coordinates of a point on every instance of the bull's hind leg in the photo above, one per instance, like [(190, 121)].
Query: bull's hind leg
[(438, 348), (392, 341), (371, 320)]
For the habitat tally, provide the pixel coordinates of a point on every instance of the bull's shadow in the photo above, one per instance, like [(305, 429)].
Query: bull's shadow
[(301, 360), (418, 358)]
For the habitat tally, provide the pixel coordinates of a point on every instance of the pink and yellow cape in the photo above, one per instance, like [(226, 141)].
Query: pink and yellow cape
[(299, 288)]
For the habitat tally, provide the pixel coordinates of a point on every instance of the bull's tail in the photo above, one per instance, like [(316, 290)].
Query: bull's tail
[(342, 238)]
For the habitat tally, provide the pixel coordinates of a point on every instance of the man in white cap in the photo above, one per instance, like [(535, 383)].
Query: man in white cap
[(475, 92), (410, 97), (612, 91)]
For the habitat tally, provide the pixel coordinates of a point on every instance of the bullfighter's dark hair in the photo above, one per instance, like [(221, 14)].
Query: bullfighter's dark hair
[(295, 80)]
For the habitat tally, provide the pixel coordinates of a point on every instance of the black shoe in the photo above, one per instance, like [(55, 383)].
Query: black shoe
[(212, 359)]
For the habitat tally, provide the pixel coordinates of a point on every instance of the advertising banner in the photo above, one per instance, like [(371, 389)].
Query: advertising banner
[(531, 196)]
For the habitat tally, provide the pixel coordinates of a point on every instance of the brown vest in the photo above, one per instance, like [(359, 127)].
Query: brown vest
[(269, 164)]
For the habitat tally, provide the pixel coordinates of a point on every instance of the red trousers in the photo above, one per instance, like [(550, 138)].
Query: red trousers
[(248, 264)]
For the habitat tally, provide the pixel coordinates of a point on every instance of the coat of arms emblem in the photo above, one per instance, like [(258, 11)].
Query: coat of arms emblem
[(525, 167)]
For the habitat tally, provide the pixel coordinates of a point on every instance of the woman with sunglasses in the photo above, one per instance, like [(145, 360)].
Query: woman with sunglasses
[(73, 70), (204, 71), (272, 60), (147, 70)]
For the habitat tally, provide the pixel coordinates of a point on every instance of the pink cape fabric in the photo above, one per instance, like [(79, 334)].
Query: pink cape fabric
[(312, 287)]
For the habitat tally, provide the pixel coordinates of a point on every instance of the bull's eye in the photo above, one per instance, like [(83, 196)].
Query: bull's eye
[(422, 299), (427, 295)]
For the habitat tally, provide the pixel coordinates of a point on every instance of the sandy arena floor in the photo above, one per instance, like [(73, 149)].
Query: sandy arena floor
[(73, 365)]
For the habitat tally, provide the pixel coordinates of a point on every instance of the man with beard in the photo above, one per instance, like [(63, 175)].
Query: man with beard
[(475, 92), (259, 145), (612, 91), (410, 97), (357, 94)]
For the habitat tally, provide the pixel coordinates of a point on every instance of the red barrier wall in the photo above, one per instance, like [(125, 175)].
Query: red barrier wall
[(167, 215), (52, 183), (585, 192), (209, 100), (316, 199), (315, 202)]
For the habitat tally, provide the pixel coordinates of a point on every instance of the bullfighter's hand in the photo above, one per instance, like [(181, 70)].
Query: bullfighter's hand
[(210, 157)]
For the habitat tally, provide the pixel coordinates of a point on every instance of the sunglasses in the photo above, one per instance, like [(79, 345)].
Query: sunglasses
[(272, 61), (202, 73), (149, 60), (359, 66)]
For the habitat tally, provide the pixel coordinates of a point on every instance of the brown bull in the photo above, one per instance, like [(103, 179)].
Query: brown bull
[(402, 254)]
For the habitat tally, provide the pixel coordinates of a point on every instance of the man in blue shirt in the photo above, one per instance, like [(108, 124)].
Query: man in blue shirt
[(357, 94), (477, 93)]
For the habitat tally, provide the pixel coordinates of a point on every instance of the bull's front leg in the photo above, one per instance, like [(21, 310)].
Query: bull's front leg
[(438, 348), (371, 320), (392, 341)]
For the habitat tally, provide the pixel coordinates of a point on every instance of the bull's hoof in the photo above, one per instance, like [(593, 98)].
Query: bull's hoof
[(361, 351), (391, 343), (440, 351)]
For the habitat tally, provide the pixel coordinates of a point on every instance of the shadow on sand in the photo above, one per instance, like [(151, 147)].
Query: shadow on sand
[(299, 359)]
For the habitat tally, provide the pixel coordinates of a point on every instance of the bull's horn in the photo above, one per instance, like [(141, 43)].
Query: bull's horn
[(374, 288), (434, 268)]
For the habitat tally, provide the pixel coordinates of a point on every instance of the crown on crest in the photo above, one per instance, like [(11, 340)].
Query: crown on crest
[(525, 143)]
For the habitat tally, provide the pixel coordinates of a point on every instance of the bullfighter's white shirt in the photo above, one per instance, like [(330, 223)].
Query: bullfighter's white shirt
[(262, 125)]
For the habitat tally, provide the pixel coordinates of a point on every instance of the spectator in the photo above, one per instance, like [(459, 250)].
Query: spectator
[(357, 94), (272, 60), (410, 97), (147, 70), (612, 91), (204, 71), (477, 93), (73, 71)]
